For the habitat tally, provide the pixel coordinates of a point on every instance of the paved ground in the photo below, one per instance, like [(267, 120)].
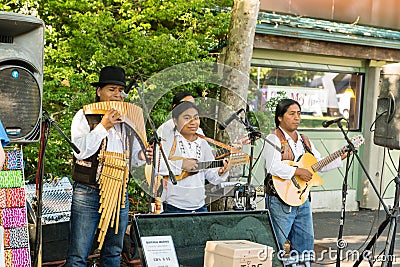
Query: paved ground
[(357, 228)]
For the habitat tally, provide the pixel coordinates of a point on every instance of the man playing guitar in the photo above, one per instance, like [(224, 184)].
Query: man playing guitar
[(291, 223)]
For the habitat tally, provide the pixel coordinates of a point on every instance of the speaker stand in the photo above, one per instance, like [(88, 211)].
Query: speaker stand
[(391, 220), (352, 148), (47, 122)]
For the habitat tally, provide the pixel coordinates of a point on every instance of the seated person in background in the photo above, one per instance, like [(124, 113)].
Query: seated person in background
[(167, 128), (184, 149)]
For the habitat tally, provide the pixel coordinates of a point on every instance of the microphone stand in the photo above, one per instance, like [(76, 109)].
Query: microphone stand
[(343, 208), (390, 216), (47, 122), (391, 220), (52, 123), (253, 136), (156, 141)]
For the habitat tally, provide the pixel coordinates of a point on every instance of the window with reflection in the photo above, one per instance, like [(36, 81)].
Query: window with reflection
[(322, 95)]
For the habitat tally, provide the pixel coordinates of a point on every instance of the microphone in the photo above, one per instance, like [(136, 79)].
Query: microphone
[(234, 116), (328, 123), (132, 83)]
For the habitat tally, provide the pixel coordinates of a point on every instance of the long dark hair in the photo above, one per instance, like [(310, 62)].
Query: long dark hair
[(282, 107)]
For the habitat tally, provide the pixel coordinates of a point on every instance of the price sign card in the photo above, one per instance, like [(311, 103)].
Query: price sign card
[(159, 251)]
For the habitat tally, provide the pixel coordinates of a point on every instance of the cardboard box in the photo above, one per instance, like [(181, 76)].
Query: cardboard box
[(237, 253)]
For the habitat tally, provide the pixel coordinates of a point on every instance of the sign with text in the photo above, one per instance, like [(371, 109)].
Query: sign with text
[(159, 251), (310, 99)]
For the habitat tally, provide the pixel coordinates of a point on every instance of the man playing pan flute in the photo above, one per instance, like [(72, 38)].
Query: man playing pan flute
[(92, 134)]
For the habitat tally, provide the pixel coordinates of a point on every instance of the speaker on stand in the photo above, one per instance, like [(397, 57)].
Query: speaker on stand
[(21, 76), (387, 134), (387, 121)]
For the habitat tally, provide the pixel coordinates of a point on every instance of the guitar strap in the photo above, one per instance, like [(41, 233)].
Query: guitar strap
[(287, 152), (173, 149), (215, 142), (210, 140), (173, 158), (307, 148)]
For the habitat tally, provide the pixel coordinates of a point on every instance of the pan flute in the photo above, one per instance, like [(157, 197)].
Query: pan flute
[(114, 176), (131, 114), (113, 182)]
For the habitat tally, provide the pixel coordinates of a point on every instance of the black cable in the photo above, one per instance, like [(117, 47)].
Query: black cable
[(374, 122), (391, 160), (259, 153), (375, 217)]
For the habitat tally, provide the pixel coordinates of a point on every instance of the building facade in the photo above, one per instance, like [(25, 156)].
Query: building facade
[(335, 58)]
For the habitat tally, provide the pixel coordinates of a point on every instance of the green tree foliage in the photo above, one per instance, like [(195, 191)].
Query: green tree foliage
[(143, 36)]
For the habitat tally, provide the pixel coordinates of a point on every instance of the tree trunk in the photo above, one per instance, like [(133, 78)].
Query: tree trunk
[(241, 39), (237, 58)]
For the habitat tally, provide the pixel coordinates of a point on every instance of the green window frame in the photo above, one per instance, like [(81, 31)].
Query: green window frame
[(323, 95)]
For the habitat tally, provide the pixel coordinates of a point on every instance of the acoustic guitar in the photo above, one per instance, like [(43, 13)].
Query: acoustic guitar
[(235, 159), (295, 191)]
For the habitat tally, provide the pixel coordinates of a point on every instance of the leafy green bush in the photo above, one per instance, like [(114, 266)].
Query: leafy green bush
[(142, 36)]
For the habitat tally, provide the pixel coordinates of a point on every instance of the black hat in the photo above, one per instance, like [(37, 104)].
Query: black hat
[(111, 75)]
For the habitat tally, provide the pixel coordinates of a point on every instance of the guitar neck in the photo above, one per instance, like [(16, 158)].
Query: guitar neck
[(235, 160), (325, 161), (209, 164), (356, 141)]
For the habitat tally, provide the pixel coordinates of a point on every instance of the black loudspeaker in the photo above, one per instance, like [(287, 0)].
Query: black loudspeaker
[(387, 120), (54, 241), (21, 76), (191, 231)]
